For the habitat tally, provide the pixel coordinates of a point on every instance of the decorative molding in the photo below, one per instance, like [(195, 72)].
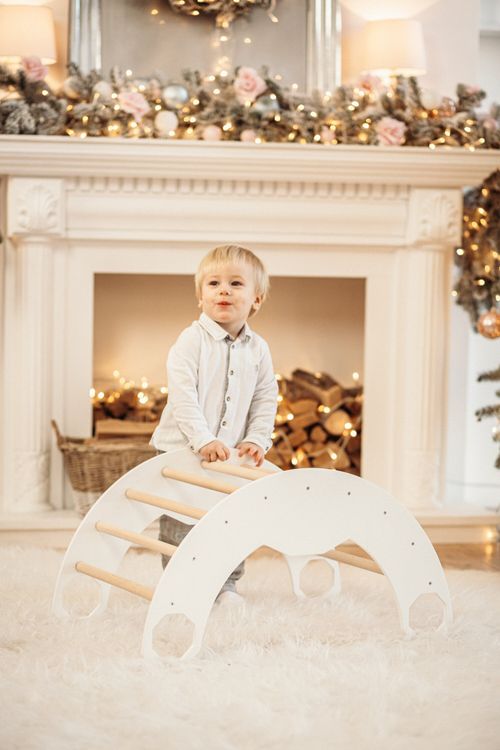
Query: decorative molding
[(435, 218), (56, 157), (85, 34), (323, 49), (251, 188), (35, 207)]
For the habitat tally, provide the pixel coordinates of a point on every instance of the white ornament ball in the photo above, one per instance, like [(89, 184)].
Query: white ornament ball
[(248, 135), (175, 95), (71, 87), (431, 99), (166, 123), (104, 89), (265, 105), (212, 133)]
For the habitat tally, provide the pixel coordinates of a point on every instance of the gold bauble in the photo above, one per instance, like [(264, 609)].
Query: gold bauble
[(488, 324)]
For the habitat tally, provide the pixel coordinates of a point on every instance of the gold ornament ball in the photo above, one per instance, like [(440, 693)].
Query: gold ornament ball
[(488, 324)]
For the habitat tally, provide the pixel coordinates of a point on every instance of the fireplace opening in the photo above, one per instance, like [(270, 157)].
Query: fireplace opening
[(314, 327)]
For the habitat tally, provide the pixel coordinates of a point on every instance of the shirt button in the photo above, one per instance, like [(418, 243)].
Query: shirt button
[(228, 398), (224, 423), (232, 346), (231, 372)]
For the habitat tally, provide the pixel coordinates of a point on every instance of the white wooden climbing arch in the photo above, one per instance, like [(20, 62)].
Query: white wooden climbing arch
[(235, 509)]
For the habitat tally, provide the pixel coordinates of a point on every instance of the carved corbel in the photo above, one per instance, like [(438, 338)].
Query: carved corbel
[(35, 207), (434, 219)]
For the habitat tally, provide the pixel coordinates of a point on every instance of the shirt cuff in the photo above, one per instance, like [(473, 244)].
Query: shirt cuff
[(199, 440), (258, 440)]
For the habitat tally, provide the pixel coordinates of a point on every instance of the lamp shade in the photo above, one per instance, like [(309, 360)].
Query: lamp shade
[(393, 47), (27, 31)]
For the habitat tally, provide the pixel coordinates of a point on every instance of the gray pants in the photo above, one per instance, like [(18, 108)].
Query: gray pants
[(174, 531)]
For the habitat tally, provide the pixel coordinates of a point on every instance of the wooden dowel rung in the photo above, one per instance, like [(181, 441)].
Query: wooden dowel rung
[(164, 504), (356, 560), (131, 536), (111, 578), (245, 472), (199, 481)]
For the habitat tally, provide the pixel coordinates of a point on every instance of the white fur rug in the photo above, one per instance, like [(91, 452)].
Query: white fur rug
[(276, 674)]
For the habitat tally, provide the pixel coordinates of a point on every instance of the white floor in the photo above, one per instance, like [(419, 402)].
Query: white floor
[(275, 674)]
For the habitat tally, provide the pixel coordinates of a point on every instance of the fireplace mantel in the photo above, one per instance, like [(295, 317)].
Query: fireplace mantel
[(79, 207), (38, 156)]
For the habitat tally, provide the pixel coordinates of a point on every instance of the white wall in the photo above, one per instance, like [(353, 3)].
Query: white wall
[(451, 36)]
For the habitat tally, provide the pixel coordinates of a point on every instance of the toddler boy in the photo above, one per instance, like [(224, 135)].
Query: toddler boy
[(221, 385)]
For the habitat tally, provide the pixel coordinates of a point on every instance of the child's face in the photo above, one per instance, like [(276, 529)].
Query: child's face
[(228, 296)]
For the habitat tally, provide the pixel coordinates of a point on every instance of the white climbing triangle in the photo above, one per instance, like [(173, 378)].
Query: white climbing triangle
[(304, 514)]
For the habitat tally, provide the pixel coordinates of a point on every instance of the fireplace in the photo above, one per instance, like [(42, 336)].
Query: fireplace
[(384, 218)]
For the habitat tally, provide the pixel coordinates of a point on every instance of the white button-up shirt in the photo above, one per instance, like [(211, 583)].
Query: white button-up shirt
[(219, 388)]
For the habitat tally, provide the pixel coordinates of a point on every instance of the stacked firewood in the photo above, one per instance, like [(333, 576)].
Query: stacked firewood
[(318, 423), (129, 404)]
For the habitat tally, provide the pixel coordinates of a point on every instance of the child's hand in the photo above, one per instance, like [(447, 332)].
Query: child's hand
[(214, 451), (253, 450)]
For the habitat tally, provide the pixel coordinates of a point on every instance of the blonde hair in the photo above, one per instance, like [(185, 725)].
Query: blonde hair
[(233, 254)]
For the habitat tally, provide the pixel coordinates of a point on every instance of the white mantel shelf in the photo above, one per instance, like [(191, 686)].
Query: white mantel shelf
[(59, 156)]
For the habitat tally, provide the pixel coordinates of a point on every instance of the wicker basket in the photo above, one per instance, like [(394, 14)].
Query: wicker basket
[(93, 465)]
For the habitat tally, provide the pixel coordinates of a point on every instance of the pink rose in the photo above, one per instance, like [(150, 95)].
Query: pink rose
[(134, 103), (248, 85), (371, 84), (34, 68), (248, 135), (390, 132), (327, 135), (211, 133)]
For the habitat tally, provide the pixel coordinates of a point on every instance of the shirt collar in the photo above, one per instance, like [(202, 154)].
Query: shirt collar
[(218, 333)]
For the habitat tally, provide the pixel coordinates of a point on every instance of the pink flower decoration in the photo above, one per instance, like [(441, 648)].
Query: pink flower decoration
[(390, 132), (248, 85), (327, 135), (134, 103), (248, 135), (472, 90), (34, 68), (211, 133), (371, 84)]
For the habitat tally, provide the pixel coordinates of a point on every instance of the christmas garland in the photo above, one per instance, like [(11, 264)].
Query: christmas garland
[(477, 287), (242, 106)]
